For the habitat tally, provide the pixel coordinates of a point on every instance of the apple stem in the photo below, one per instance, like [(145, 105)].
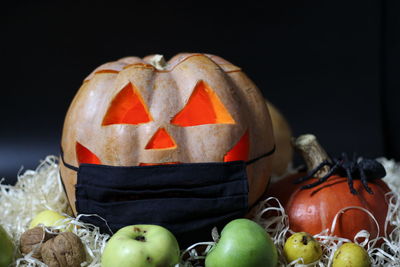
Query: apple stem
[(140, 238)]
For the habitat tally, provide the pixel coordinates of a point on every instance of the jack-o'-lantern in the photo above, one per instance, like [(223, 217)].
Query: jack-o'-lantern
[(195, 108)]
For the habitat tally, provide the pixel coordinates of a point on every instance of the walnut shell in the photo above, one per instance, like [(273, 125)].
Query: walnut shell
[(66, 249), (33, 239)]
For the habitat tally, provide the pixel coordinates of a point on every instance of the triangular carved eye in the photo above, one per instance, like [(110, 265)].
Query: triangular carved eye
[(161, 140), (203, 107), (240, 151), (127, 107), (84, 155)]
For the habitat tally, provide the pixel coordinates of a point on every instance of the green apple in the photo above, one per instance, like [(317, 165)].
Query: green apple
[(48, 218), (351, 255), (7, 248), (302, 245), (243, 243), (141, 245)]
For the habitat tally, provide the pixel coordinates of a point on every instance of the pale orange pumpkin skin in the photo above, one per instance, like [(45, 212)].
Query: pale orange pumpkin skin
[(283, 140), (313, 210), (164, 93)]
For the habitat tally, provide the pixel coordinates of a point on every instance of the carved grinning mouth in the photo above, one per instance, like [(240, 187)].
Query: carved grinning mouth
[(240, 151)]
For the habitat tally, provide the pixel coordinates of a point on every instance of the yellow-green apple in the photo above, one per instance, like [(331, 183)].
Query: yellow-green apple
[(7, 248), (302, 245), (351, 255), (141, 245), (48, 218), (243, 243)]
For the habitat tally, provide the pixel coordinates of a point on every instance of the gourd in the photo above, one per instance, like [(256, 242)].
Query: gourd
[(283, 136), (313, 210)]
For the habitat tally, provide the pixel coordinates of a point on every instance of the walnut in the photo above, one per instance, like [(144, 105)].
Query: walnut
[(66, 249), (33, 239)]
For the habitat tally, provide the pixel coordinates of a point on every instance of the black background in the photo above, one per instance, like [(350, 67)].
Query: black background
[(330, 66)]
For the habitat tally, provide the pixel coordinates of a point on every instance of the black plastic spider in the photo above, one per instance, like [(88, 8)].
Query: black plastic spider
[(364, 169)]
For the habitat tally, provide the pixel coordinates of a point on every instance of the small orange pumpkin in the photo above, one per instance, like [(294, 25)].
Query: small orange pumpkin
[(313, 210), (193, 108)]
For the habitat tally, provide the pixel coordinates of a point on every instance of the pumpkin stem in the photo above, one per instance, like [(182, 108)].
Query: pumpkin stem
[(312, 153), (158, 61)]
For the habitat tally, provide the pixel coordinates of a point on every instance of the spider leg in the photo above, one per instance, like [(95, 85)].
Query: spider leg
[(323, 179), (311, 173), (350, 181), (364, 181)]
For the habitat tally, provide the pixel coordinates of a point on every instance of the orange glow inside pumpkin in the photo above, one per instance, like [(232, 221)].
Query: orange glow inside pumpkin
[(127, 107), (161, 140), (240, 151), (203, 107), (84, 155)]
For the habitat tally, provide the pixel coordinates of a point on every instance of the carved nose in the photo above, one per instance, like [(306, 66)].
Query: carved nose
[(161, 140)]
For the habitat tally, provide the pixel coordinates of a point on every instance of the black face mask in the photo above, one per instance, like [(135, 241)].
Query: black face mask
[(189, 199)]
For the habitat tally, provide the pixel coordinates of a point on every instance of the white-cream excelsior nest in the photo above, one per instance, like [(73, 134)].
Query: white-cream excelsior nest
[(40, 189)]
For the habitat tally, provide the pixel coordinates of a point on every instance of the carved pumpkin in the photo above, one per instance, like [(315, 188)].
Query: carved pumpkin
[(313, 210), (195, 108)]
